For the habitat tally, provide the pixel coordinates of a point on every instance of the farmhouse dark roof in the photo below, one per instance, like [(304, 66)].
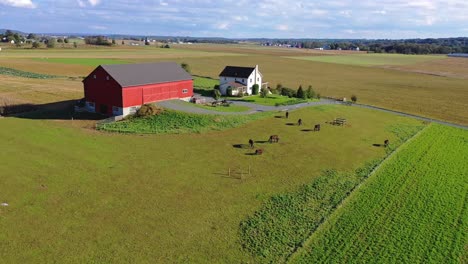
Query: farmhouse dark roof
[(146, 73), (239, 72)]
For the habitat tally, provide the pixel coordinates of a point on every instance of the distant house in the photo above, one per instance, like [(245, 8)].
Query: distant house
[(240, 79), (121, 89)]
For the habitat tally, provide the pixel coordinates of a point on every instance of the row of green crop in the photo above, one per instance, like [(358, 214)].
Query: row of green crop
[(178, 122), (413, 210), (18, 73), (285, 221)]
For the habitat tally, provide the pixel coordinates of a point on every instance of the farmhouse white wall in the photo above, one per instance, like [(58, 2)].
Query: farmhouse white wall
[(254, 78)]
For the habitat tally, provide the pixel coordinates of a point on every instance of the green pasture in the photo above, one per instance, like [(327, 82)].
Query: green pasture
[(204, 83), (413, 210), (82, 61), (78, 195), (371, 59), (271, 100)]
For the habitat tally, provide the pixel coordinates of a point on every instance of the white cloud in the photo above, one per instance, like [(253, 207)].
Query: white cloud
[(98, 27), (94, 2), (240, 18), (19, 3), (379, 12), (222, 26), (282, 27)]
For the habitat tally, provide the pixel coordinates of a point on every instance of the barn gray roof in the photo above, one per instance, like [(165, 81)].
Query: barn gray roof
[(146, 73)]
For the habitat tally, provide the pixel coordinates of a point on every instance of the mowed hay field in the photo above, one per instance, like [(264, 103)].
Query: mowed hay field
[(413, 210), (77, 195), (437, 97)]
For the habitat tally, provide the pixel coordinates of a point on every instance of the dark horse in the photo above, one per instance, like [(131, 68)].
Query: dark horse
[(317, 127), (274, 138), (251, 143), (299, 122), (386, 142), (287, 114), (258, 151)]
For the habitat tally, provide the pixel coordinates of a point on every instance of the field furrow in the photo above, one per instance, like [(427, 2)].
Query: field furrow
[(411, 211)]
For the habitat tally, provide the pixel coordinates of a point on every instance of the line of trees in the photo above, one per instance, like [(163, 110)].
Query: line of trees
[(404, 46), (98, 40), (300, 93)]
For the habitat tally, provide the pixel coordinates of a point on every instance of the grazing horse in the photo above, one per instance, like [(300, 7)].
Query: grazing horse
[(386, 142), (274, 138), (258, 151), (251, 143), (299, 122), (317, 127), (287, 114)]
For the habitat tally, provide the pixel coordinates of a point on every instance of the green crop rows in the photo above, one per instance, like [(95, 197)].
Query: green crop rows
[(18, 73), (413, 210), (286, 220)]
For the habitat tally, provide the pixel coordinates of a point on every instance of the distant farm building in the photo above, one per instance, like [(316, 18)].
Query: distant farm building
[(460, 55), (121, 89), (240, 80)]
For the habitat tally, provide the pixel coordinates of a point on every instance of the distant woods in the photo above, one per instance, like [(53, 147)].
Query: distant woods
[(404, 46), (98, 40)]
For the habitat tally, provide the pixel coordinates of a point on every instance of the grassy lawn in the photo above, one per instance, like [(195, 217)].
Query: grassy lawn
[(270, 100), (204, 83), (179, 122), (413, 210), (82, 61), (372, 59), (231, 108), (76, 195)]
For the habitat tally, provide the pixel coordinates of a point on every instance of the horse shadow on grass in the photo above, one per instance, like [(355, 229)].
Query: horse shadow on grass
[(290, 124), (307, 130), (241, 146), (261, 141), (377, 145)]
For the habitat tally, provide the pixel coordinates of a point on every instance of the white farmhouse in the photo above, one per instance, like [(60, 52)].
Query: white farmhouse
[(240, 80)]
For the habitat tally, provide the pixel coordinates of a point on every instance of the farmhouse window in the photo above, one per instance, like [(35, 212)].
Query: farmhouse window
[(185, 91), (107, 77), (243, 80), (250, 79)]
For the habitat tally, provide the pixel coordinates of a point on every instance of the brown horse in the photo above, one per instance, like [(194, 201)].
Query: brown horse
[(317, 127), (274, 139), (299, 122), (386, 142), (251, 143), (258, 151)]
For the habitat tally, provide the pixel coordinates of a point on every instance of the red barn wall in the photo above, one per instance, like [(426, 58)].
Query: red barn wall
[(138, 95), (101, 91)]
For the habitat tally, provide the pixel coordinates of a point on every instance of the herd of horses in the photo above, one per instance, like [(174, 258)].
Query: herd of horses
[(275, 138)]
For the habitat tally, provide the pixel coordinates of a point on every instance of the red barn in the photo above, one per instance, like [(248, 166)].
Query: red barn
[(121, 89)]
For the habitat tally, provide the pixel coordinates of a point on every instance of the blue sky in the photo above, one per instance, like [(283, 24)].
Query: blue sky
[(241, 18)]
